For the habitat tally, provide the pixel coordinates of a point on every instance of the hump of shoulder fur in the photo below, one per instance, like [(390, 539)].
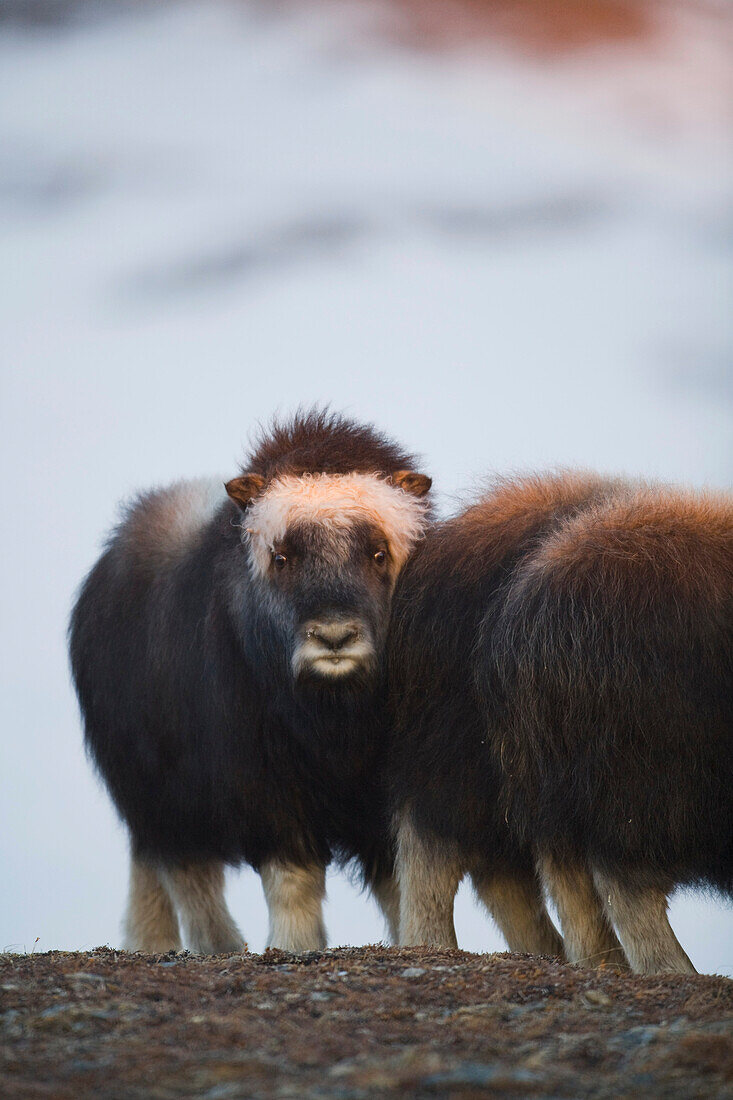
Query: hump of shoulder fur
[(521, 498), (656, 536), (512, 510), (162, 524)]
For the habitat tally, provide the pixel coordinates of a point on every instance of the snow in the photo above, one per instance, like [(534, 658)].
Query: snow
[(211, 211)]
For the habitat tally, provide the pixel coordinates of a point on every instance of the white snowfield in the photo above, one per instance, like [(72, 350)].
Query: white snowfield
[(211, 210)]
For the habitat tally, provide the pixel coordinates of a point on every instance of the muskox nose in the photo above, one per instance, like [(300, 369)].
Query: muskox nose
[(334, 635)]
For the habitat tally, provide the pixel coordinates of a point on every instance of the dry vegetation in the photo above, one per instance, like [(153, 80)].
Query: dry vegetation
[(352, 1023)]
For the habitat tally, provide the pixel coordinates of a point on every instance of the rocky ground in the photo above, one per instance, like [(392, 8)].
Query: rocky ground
[(352, 1023)]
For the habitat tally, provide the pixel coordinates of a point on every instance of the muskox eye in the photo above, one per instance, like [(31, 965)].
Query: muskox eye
[(279, 561), (380, 557)]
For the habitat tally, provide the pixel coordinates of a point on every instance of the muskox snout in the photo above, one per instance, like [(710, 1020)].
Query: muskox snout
[(334, 635), (333, 647)]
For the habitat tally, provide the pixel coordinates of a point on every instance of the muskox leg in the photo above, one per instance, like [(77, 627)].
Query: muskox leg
[(588, 934), (640, 915), (150, 924), (517, 904), (294, 896), (386, 893), (197, 891), (428, 873)]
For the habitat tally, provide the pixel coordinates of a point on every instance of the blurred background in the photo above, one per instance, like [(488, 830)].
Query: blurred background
[(501, 229)]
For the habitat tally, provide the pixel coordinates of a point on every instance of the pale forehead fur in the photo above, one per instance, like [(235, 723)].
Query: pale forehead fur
[(335, 501)]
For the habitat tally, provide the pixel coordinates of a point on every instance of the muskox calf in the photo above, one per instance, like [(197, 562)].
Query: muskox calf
[(567, 698), (227, 654)]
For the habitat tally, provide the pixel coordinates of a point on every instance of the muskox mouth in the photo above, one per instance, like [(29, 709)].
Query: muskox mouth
[(313, 660), (335, 666)]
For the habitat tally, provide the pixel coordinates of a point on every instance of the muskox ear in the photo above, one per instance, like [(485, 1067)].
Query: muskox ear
[(244, 489), (417, 484)]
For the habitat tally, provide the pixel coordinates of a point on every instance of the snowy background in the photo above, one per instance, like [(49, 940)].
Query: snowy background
[(507, 256)]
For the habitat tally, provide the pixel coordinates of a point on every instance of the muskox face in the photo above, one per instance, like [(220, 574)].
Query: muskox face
[(325, 551)]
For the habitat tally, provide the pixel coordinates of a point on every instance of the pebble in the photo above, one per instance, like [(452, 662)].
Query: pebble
[(84, 978), (413, 972), (597, 997)]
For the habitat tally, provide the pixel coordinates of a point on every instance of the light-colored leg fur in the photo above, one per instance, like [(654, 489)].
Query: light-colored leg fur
[(386, 893), (428, 873), (150, 924), (197, 891), (294, 898), (588, 934), (640, 915), (517, 905)]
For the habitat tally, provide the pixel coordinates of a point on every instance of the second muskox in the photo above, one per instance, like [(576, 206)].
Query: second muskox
[(561, 684), (227, 654)]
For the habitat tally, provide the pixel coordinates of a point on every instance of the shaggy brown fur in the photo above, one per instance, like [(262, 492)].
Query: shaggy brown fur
[(614, 652)]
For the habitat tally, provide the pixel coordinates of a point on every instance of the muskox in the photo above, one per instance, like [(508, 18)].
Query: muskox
[(560, 671), (227, 654)]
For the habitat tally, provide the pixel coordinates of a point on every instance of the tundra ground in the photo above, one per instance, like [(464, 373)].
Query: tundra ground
[(355, 1023)]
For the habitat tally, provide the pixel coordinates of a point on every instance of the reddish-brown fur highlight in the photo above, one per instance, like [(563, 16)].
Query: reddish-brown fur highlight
[(515, 509), (645, 541)]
